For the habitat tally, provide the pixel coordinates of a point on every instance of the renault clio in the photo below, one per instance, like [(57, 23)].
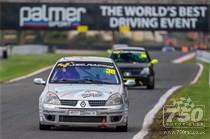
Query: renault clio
[(84, 91)]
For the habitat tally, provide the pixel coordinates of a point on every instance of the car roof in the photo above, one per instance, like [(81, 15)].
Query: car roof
[(86, 58), (116, 46), (130, 49)]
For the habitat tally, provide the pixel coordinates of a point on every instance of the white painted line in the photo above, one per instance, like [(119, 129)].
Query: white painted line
[(184, 58), (198, 74), (149, 118), (29, 75)]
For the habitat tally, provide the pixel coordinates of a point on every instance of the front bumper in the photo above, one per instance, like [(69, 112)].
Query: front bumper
[(140, 80), (71, 116)]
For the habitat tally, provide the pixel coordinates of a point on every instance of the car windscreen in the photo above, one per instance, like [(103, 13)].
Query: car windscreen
[(130, 57), (85, 73)]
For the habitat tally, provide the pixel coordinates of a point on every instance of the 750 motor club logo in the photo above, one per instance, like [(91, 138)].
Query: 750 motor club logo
[(183, 113), (44, 16)]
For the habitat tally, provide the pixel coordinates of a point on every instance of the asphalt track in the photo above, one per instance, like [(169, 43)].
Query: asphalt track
[(19, 104)]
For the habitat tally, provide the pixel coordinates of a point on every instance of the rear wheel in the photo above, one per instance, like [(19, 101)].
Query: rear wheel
[(44, 127)]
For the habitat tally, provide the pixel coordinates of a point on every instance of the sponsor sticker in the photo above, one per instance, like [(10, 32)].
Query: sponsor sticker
[(92, 93), (46, 16), (184, 115)]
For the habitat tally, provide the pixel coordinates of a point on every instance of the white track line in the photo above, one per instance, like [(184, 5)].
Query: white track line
[(29, 75), (184, 58), (198, 74), (149, 118)]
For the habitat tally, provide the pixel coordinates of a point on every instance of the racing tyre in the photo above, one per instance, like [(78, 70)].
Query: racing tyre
[(122, 128), (44, 127), (151, 85)]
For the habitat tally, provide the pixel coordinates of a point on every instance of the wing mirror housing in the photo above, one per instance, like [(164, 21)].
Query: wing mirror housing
[(154, 61), (39, 81)]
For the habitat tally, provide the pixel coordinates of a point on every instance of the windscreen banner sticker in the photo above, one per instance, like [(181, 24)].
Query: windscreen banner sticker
[(125, 51), (70, 16), (143, 56), (63, 65), (66, 64), (116, 52)]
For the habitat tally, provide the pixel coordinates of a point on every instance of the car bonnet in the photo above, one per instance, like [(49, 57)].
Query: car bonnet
[(133, 65), (84, 91)]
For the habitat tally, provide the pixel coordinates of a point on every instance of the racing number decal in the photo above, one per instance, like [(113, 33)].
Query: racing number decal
[(110, 71)]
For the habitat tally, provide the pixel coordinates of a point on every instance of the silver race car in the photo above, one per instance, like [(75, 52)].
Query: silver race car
[(84, 91)]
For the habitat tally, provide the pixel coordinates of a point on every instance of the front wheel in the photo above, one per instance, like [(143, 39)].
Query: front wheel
[(123, 128), (44, 127), (151, 84)]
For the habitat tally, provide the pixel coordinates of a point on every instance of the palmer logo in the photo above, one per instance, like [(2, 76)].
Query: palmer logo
[(44, 16)]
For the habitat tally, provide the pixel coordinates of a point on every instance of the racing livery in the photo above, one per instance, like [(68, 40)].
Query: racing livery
[(135, 64), (83, 91)]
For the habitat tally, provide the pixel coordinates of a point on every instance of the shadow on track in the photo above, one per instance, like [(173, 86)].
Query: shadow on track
[(89, 129)]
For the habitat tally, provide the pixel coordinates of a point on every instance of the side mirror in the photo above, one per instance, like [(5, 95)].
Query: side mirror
[(130, 83), (154, 61), (39, 81)]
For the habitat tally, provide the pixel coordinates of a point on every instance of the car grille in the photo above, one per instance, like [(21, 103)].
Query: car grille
[(97, 102), (69, 102), (85, 119), (134, 72)]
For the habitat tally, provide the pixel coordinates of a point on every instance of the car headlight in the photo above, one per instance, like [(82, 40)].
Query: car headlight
[(145, 71), (52, 98), (115, 99), (126, 74)]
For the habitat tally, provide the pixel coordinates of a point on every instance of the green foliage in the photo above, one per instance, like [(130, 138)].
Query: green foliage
[(16, 66)]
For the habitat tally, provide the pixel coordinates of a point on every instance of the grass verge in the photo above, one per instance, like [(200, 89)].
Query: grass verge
[(16, 66), (200, 95)]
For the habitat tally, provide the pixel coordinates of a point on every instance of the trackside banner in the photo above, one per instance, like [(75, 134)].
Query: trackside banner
[(67, 16)]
